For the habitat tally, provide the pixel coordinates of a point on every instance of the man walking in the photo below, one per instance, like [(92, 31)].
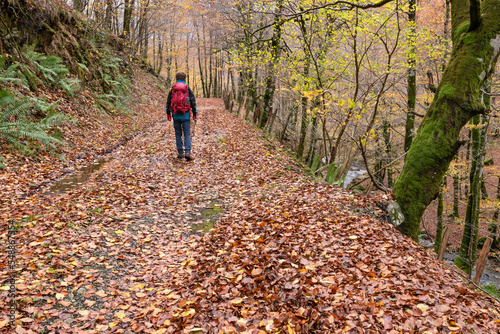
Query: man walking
[(181, 103)]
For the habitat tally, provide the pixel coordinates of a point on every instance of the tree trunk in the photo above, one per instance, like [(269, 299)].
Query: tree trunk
[(494, 224), (80, 5), (160, 53), (127, 17), (467, 159), (457, 100), (303, 126), (143, 36), (456, 194), (268, 110), (187, 59), (304, 122), (388, 152), (468, 248), (200, 67), (439, 227), (109, 13), (412, 86), (314, 134)]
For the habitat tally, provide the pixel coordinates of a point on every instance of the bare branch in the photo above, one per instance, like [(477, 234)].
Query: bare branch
[(348, 6), (375, 182)]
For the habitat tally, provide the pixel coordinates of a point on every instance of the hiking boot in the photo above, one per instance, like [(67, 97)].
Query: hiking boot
[(180, 156), (188, 157)]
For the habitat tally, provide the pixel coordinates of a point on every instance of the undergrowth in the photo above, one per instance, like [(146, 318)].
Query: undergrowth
[(27, 122)]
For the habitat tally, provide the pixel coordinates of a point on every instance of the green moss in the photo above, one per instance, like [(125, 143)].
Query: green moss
[(470, 38), (209, 217), (447, 91), (49, 28), (462, 264), (491, 288), (213, 210), (461, 30), (205, 227)]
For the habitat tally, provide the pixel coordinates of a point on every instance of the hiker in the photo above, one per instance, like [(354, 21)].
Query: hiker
[(181, 103)]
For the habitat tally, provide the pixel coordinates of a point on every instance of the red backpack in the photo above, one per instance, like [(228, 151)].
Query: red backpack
[(180, 98)]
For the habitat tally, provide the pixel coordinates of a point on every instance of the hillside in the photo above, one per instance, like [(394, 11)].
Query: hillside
[(114, 234), (125, 251)]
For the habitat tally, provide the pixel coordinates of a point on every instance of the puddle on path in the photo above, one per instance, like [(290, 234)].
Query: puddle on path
[(209, 216), (77, 178)]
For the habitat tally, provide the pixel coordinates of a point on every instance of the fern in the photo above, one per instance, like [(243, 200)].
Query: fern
[(18, 131), (51, 68)]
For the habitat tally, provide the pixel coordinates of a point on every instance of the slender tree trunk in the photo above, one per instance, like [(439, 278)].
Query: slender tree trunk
[(233, 84), (314, 135), (109, 13), (303, 127), (388, 152), (267, 110), (457, 100), (494, 224), (439, 227), (80, 5), (467, 160), (484, 192), (127, 17), (468, 248), (456, 195), (200, 67), (210, 68), (412, 74), (154, 52), (160, 53), (187, 58), (216, 76), (304, 122), (205, 57)]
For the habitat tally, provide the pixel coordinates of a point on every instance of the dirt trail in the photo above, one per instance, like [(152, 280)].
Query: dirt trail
[(124, 252), (93, 254)]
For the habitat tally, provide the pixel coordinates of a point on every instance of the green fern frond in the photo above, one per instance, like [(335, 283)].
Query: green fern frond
[(15, 109)]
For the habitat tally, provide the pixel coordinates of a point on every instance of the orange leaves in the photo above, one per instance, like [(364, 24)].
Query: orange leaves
[(285, 255)]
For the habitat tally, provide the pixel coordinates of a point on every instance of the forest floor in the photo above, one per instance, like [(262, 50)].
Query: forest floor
[(237, 241)]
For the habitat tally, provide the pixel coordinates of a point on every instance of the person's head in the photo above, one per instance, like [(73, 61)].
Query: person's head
[(181, 76)]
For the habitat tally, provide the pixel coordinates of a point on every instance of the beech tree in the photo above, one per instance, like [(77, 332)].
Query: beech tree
[(476, 47)]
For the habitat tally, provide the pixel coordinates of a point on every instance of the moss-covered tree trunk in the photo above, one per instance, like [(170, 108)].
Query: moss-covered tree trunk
[(474, 56), (493, 228)]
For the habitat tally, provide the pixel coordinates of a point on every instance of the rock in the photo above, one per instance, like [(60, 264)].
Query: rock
[(396, 217)]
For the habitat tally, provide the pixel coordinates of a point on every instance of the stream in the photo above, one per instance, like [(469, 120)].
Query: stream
[(491, 273)]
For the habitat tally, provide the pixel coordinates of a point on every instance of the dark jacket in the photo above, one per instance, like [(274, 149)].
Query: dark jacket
[(192, 102)]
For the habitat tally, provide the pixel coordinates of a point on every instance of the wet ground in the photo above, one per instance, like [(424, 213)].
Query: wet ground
[(491, 273)]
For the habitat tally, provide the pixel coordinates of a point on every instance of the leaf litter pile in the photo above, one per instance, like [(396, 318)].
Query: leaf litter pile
[(126, 251)]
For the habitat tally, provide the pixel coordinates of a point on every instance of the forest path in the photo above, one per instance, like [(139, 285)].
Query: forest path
[(87, 255), (124, 252)]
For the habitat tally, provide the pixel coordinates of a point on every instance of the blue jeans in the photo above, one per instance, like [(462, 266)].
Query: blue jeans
[(183, 128)]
